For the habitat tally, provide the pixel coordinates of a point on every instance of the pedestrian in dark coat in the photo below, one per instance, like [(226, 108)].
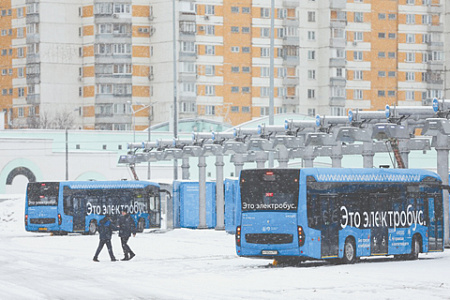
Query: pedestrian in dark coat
[(126, 228), (105, 230)]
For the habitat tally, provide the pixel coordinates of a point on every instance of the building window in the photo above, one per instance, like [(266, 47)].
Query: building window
[(210, 30), (235, 89), (235, 49), (391, 74), (188, 47), (311, 74), (359, 17), (245, 89), (210, 90), (235, 109), (311, 93), (245, 30), (392, 36), (245, 69), (410, 76), (245, 49), (357, 94), (21, 92), (391, 54), (381, 16), (234, 29), (210, 50), (381, 73), (381, 54), (264, 91), (358, 36), (264, 111), (235, 9), (311, 54), (265, 32), (410, 38), (358, 75), (410, 19), (381, 35), (357, 55), (312, 112), (245, 109), (246, 10), (391, 93), (392, 16), (381, 93), (409, 95), (265, 52), (20, 112), (210, 110), (210, 70), (209, 9), (311, 16), (311, 35), (410, 56), (265, 12), (265, 71)]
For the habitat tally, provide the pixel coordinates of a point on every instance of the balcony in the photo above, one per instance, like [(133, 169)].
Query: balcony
[(337, 62), (337, 101), (291, 22), (187, 36), (33, 38), (338, 4), (291, 61), (338, 42), (338, 23), (338, 81), (187, 77), (435, 65), (290, 100), (291, 41), (33, 99), (290, 80), (187, 56), (33, 79), (185, 16), (33, 58), (291, 3), (32, 18)]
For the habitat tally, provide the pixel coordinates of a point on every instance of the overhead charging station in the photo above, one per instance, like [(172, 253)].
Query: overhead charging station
[(398, 129)]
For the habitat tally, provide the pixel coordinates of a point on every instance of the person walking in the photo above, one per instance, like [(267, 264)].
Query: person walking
[(105, 230), (126, 228)]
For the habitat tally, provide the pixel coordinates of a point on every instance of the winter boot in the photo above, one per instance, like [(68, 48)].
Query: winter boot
[(125, 258), (132, 255), (95, 259)]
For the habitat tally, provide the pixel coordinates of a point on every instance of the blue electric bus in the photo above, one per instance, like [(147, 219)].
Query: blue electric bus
[(340, 214), (78, 206)]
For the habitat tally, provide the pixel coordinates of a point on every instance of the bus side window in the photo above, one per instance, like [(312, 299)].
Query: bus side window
[(68, 205)]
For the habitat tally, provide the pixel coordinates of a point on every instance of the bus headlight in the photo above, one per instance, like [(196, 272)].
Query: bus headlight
[(301, 236), (238, 236), (59, 219), (26, 220)]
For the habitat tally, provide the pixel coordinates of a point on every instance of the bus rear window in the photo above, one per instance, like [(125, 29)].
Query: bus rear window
[(269, 190), (42, 194)]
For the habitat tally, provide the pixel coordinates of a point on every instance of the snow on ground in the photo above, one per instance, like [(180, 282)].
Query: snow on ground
[(193, 264)]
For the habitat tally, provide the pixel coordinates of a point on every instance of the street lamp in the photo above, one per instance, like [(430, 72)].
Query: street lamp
[(149, 106)]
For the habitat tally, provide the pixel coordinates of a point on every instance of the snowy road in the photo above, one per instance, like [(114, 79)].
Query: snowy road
[(192, 264)]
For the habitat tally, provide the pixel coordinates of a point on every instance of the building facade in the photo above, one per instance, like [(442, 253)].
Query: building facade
[(109, 64)]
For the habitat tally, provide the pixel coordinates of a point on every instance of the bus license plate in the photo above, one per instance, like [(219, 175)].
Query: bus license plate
[(269, 252), (42, 229)]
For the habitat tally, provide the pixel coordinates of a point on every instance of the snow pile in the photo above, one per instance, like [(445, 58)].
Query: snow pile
[(12, 211)]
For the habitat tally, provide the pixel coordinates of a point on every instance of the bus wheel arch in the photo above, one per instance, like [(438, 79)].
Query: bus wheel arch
[(140, 225), (92, 227), (349, 250)]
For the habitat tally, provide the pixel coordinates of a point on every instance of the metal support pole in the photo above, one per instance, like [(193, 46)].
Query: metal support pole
[(404, 152), (238, 160), (368, 154), (272, 71), (185, 168), (175, 111), (442, 168), (336, 157), (220, 202), (67, 154), (283, 157), (202, 191), (150, 110)]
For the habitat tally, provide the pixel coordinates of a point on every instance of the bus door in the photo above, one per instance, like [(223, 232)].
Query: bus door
[(435, 224), (155, 211), (329, 226), (380, 232), (79, 213)]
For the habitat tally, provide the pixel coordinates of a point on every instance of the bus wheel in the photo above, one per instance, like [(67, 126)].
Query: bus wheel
[(92, 227), (415, 249), (349, 252), (141, 225)]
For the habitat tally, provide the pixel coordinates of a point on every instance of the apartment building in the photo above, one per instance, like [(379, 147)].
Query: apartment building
[(110, 64)]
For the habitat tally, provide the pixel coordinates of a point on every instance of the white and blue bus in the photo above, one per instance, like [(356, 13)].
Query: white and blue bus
[(78, 206), (340, 214)]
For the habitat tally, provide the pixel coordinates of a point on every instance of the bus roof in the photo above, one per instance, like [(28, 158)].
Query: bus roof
[(366, 174), (122, 184)]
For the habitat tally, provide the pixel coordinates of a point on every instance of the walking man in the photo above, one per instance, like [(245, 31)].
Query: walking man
[(126, 228), (105, 229)]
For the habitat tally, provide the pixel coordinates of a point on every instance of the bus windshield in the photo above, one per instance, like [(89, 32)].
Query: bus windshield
[(43, 194), (275, 190)]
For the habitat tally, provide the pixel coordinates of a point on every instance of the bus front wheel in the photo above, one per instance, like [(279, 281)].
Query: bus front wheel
[(141, 225), (92, 227), (349, 252)]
